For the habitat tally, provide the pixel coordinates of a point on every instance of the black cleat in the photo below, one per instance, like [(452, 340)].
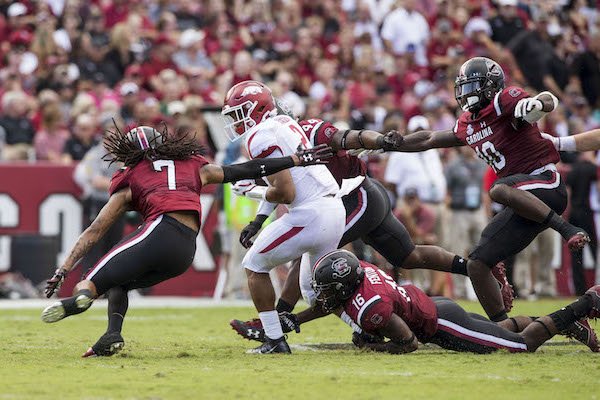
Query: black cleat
[(251, 330), (272, 346), (582, 332), (109, 344)]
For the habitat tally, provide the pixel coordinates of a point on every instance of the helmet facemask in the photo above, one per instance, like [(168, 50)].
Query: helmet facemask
[(238, 120), (330, 295)]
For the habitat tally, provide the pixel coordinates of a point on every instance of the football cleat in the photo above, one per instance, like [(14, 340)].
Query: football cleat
[(70, 306), (582, 332), (272, 346), (109, 344), (508, 295), (251, 330), (578, 241), (594, 293)]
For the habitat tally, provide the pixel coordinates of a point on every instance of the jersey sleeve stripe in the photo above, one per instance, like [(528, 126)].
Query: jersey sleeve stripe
[(313, 133), (480, 338), (269, 151), (497, 104), (365, 307)]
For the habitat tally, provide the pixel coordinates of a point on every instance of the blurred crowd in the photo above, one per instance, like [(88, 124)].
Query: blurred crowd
[(71, 69)]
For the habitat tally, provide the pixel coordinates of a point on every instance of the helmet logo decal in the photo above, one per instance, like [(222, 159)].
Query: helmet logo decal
[(251, 90), (340, 268)]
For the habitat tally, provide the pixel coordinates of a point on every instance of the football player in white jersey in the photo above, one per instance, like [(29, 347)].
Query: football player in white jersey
[(316, 218)]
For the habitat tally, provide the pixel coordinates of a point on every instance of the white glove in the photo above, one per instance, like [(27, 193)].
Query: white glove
[(240, 188), (364, 152), (248, 188), (555, 141), (527, 106)]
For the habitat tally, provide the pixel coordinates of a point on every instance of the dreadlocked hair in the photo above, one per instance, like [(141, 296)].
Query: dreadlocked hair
[(172, 146)]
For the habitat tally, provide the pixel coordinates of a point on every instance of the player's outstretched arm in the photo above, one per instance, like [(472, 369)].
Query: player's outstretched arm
[(212, 173), (117, 205), (585, 141), (365, 139), (402, 339), (425, 140)]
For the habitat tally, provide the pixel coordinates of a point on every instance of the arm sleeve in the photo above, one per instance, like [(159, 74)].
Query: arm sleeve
[(265, 208), (376, 315)]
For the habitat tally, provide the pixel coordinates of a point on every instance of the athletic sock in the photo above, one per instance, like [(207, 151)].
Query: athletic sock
[(284, 306), (118, 303), (78, 303), (571, 313), (459, 266), (563, 227), (271, 324)]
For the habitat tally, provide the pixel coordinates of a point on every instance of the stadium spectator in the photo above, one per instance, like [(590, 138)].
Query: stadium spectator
[(404, 28), (50, 140), (16, 129), (82, 140)]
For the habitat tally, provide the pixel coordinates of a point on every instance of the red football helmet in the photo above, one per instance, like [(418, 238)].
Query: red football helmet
[(246, 105)]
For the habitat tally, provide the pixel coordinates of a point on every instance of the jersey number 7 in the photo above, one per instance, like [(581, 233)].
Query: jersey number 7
[(170, 164)]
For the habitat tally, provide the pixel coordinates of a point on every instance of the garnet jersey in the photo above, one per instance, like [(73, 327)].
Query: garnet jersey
[(342, 165), (378, 297), (162, 186), (507, 150), (280, 136)]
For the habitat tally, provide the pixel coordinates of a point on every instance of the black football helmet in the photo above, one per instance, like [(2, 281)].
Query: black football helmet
[(335, 278), (477, 83), (145, 137)]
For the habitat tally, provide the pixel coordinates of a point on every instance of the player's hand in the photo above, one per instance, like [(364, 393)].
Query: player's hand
[(360, 340), (364, 152), (526, 106), (391, 141), (555, 140), (289, 322), (315, 155), (243, 186), (248, 233), (53, 284)]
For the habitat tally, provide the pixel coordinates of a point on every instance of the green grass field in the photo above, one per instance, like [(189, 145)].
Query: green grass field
[(193, 354)]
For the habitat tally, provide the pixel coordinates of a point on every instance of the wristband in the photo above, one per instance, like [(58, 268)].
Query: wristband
[(343, 141), (567, 143), (362, 144)]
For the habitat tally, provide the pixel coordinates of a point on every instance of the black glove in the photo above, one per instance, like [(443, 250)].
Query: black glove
[(315, 155), (54, 283), (251, 230), (289, 322), (361, 339), (391, 141)]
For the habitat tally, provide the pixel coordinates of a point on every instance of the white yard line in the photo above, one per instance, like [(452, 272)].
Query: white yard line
[(135, 302)]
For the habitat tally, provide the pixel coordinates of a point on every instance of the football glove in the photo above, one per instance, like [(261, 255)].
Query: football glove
[(248, 233), (527, 106), (361, 339), (315, 155), (390, 141), (289, 322), (53, 284), (240, 188)]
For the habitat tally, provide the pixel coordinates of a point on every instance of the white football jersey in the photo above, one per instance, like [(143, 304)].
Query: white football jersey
[(280, 136)]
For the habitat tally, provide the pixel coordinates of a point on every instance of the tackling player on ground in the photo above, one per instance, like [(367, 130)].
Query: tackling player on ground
[(499, 124), (162, 178), (405, 314)]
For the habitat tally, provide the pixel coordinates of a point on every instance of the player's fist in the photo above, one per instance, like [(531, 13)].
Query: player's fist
[(315, 155), (526, 106), (248, 233), (363, 338), (241, 188), (53, 284), (391, 141)]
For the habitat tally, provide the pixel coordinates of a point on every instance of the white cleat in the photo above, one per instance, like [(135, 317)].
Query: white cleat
[(54, 312)]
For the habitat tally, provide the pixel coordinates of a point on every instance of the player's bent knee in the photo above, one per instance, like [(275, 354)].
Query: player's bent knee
[(500, 193)]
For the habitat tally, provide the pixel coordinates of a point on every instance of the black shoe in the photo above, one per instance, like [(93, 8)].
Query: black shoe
[(109, 344), (271, 346)]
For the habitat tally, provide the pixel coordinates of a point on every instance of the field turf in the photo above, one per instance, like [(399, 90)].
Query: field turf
[(193, 354)]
